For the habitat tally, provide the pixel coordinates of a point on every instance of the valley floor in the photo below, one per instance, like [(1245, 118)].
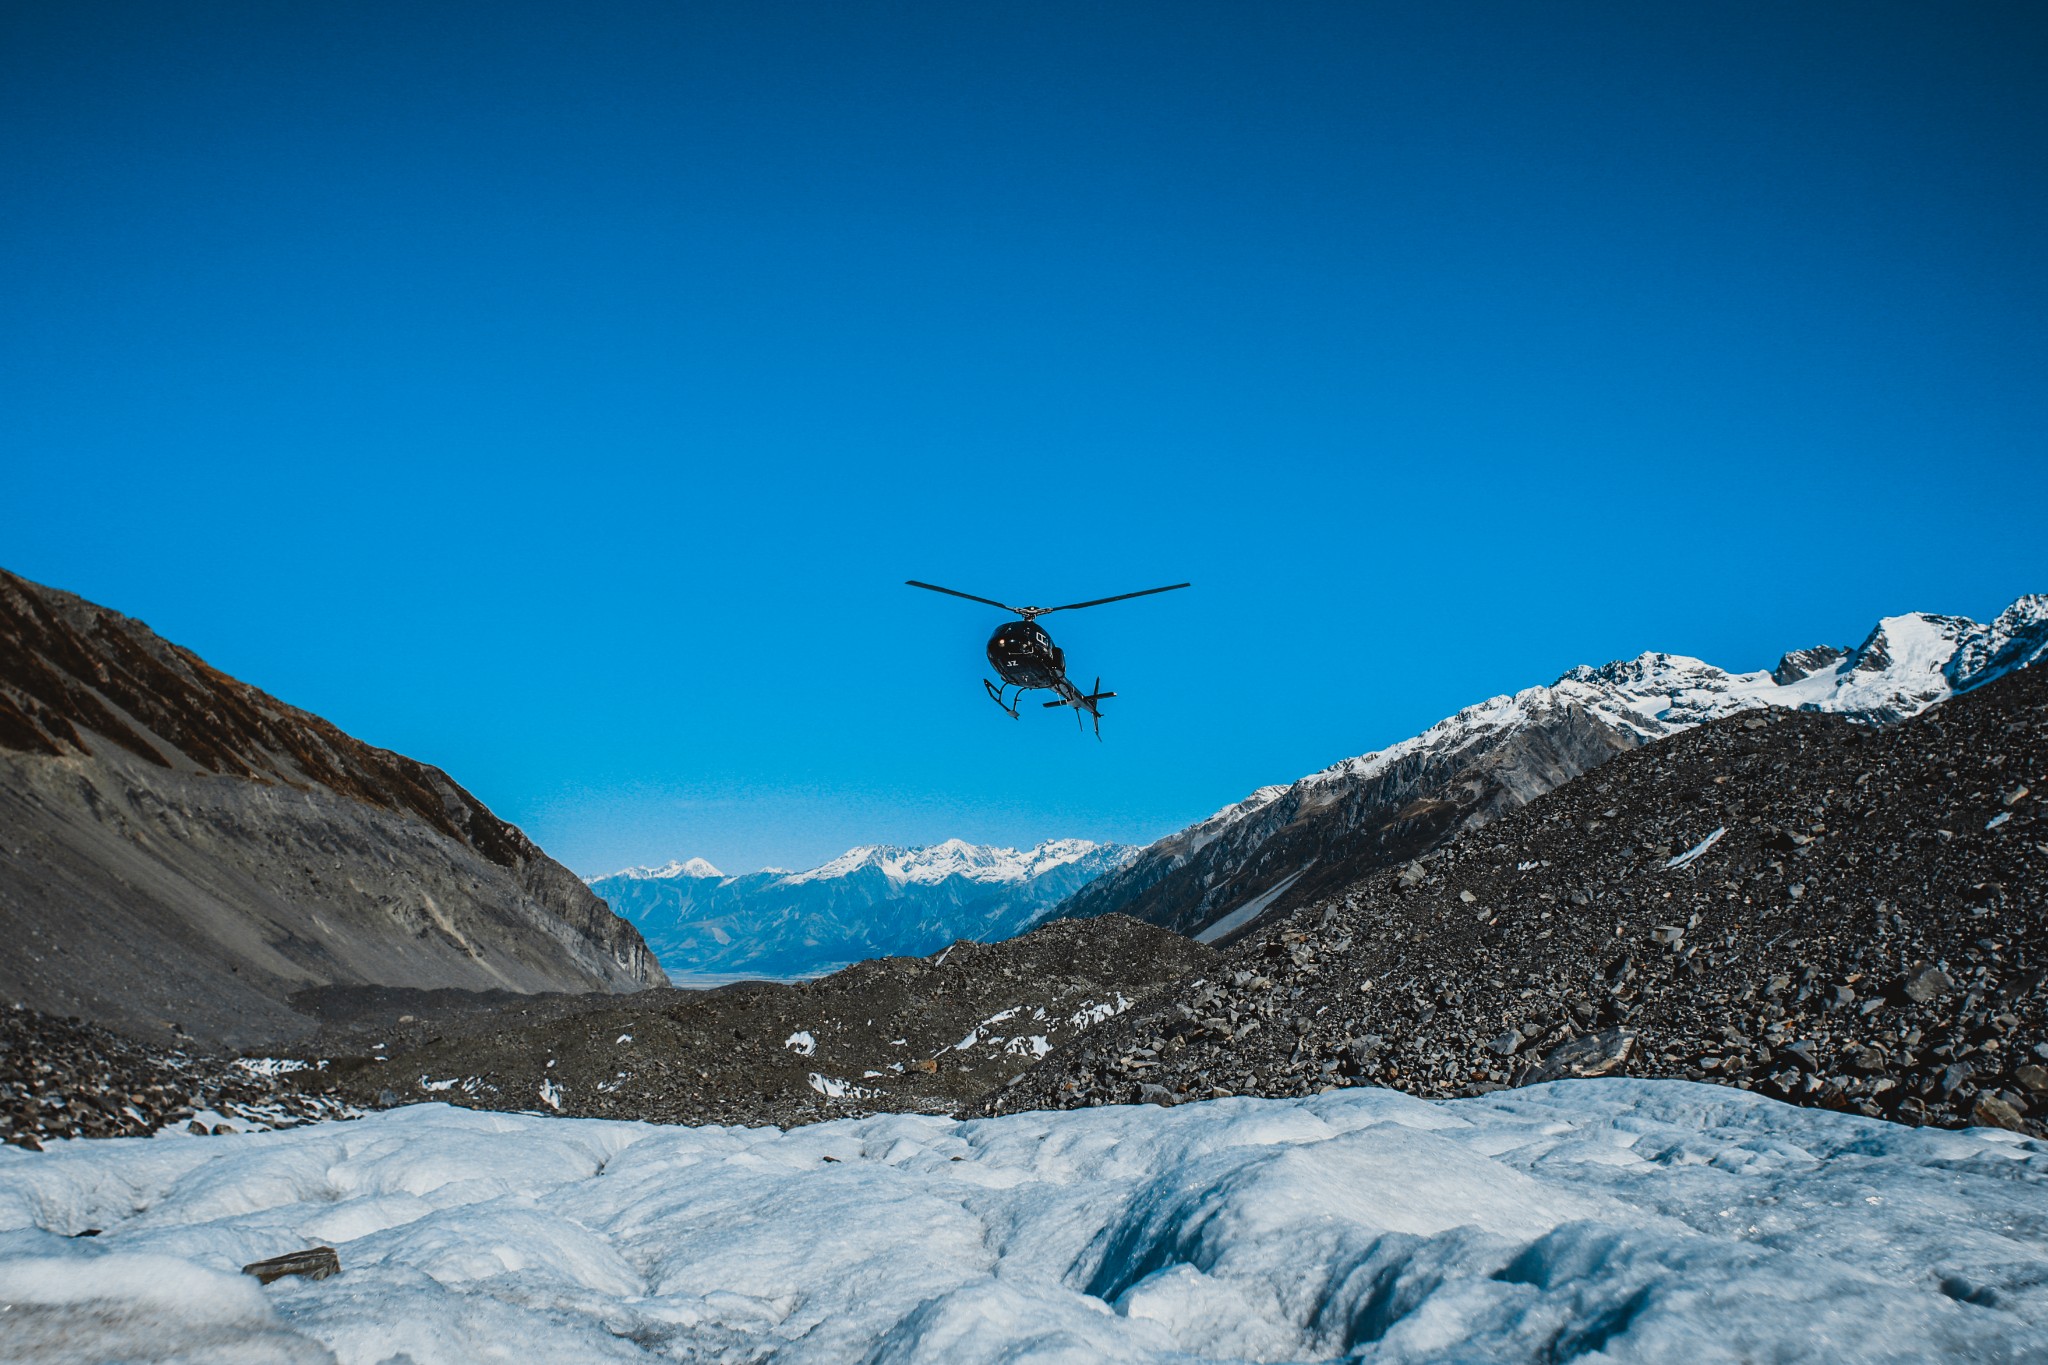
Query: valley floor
[(1611, 1219)]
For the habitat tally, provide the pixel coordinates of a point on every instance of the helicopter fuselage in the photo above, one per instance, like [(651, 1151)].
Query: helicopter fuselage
[(1023, 655)]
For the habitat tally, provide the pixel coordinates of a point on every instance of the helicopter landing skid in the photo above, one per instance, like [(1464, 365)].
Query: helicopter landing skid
[(996, 695)]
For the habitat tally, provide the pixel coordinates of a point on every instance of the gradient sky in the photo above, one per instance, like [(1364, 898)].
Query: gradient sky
[(561, 394)]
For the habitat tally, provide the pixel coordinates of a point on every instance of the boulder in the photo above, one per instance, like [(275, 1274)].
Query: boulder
[(1596, 1054)]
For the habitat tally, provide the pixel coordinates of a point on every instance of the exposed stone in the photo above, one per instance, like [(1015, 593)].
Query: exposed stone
[(1993, 1112), (1927, 985), (1597, 1054), (315, 1263)]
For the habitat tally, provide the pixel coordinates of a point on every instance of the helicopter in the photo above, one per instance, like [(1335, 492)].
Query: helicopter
[(1025, 657)]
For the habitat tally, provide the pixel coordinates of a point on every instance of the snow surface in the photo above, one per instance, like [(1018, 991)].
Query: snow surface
[(1613, 1219)]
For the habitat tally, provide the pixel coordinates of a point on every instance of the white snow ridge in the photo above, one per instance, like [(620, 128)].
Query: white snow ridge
[(1610, 1220)]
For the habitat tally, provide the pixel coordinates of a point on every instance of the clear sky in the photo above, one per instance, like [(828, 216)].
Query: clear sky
[(561, 393)]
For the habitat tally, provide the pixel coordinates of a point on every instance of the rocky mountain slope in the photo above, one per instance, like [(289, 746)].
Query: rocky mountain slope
[(922, 1035), (905, 1034), (869, 902), (1789, 902), (60, 1078), (1284, 846), (181, 854)]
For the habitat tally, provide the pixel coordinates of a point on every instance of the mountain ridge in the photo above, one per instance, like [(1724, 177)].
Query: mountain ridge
[(785, 924), (1214, 878), (186, 853)]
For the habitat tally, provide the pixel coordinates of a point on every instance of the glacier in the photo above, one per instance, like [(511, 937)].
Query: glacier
[(1594, 1220)]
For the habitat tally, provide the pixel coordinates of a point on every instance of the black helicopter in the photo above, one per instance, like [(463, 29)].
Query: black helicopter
[(1025, 657)]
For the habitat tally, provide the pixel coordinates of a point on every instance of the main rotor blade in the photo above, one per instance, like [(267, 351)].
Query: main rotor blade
[(986, 601), (1071, 606)]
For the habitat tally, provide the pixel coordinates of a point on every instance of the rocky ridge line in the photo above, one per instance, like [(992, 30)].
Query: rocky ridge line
[(180, 852), (1285, 846)]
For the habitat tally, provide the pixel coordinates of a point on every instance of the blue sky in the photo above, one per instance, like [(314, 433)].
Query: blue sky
[(562, 394)]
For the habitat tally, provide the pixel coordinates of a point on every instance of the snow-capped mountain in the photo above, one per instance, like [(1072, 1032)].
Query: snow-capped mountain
[(1283, 844), (693, 870), (873, 901)]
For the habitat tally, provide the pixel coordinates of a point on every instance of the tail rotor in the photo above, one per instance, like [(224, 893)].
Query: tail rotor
[(1094, 709), (1083, 701)]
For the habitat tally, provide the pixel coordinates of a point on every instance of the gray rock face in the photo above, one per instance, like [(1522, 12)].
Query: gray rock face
[(181, 853), (1804, 663)]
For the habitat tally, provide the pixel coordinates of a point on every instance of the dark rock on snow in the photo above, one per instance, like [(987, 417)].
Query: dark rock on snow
[(315, 1263)]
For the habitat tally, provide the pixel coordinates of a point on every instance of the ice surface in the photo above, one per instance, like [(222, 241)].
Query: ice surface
[(1612, 1219)]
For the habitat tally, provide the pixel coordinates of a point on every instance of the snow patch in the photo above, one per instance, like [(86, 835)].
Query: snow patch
[(277, 1066), (696, 869), (1693, 853), (833, 1089), (1091, 1013)]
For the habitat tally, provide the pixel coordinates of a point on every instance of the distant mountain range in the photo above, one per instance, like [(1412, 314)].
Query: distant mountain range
[(874, 901), (183, 856), (1284, 845)]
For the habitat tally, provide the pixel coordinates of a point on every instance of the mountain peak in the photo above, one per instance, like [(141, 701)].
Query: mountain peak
[(933, 863), (694, 869)]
